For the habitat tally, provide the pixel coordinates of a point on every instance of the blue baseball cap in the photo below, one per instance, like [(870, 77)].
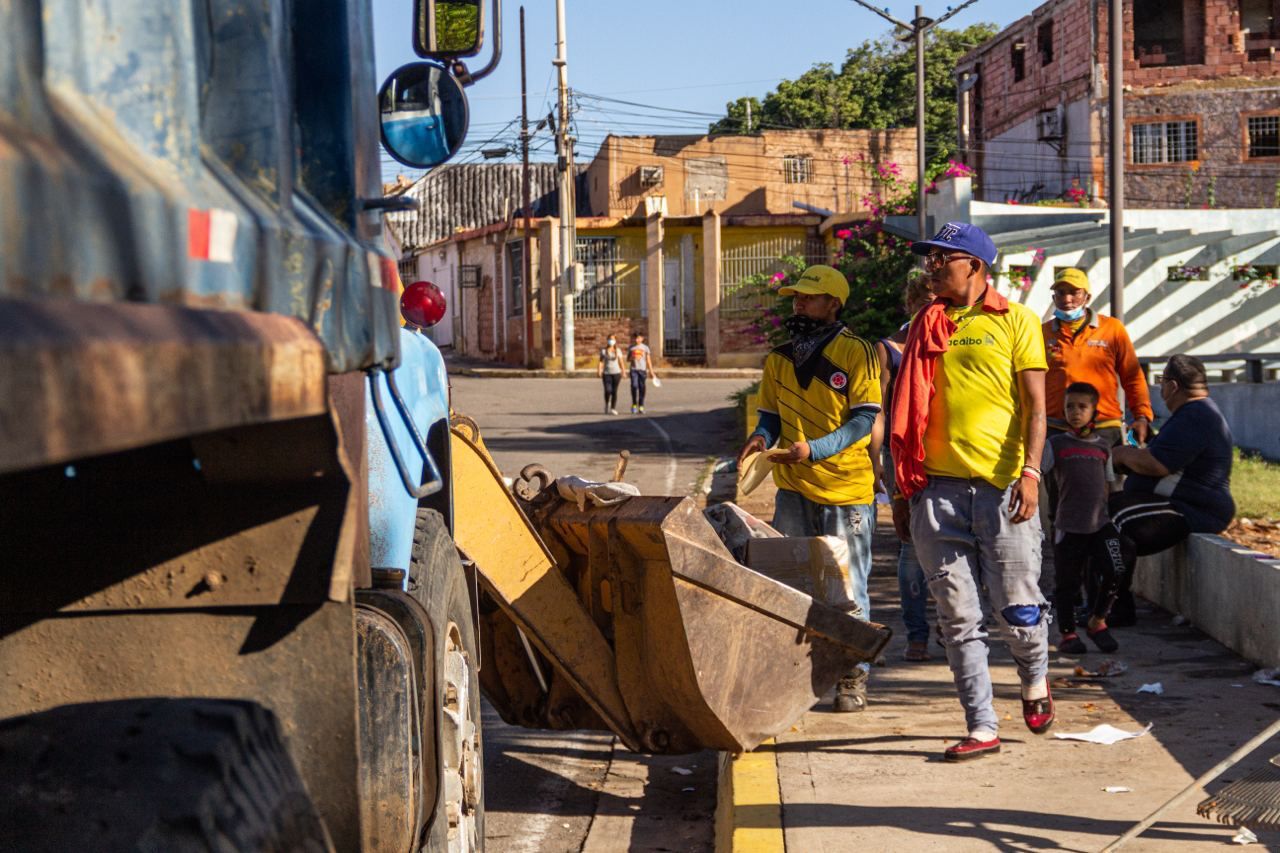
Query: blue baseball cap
[(960, 237)]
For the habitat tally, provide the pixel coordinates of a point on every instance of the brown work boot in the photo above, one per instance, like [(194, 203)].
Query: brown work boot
[(851, 693)]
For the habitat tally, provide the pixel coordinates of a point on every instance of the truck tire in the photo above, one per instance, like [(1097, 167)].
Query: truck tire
[(437, 581), (153, 775)]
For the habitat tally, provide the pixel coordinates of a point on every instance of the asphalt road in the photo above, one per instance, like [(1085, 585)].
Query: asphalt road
[(545, 791)]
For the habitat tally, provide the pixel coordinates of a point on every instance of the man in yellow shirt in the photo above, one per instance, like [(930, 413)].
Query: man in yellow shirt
[(819, 397), (968, 427)]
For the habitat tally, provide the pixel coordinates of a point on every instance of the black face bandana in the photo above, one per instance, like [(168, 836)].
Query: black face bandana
[(808, 337)]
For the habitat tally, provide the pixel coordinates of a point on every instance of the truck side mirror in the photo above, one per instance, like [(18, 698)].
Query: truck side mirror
[(448, 29), (424, 115)]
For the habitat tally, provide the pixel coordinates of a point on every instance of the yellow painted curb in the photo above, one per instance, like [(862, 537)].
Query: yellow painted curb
[(749, 803)]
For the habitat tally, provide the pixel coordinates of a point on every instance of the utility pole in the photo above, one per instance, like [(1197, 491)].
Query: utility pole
[(568, 207), (916, 31), (1115, 83), (525, 254)]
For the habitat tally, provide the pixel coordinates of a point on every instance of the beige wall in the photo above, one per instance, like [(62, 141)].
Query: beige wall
[(738, 175)]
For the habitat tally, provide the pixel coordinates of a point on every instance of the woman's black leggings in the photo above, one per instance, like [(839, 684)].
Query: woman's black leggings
[(611, 381)]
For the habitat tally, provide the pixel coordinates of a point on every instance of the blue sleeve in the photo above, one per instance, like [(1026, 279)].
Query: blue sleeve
[(853, 430), (1182, 439), (768, 427)]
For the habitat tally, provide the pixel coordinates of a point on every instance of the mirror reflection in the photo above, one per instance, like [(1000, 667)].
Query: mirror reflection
[(457, 26), (424, 115)]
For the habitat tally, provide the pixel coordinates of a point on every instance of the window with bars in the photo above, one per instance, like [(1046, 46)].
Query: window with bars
[(408, 270), (1165, 142), (797, 169), (1264, 136), (469, 276)]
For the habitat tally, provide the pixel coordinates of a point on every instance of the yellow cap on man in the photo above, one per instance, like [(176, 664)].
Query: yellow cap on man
[(819, 278), (1073, 277)]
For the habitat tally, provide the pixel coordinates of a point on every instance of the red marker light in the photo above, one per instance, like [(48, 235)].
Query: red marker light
[(422, 304)]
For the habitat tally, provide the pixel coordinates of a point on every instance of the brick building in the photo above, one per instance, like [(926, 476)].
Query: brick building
[(1202, 104)]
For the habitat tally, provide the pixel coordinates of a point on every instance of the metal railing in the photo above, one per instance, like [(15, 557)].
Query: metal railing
[(690, 343), (739, 265), (613, 286), (1228, 366)]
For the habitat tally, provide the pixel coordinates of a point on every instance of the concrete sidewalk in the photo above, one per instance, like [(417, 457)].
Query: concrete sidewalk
[(464, 366), (876, 780)]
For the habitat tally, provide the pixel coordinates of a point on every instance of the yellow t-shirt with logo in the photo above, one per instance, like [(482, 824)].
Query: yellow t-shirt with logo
[(846, 377), (975, 421)]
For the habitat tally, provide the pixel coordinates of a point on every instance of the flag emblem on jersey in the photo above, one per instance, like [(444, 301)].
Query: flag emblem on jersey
[(839, 380)]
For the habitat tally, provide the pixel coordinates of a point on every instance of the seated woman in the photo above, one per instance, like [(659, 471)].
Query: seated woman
[(1181, 483)]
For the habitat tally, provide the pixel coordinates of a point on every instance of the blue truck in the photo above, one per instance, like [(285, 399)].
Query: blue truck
[(254, 572)]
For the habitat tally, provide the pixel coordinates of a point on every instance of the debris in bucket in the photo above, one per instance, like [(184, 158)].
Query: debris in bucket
[(1268, 676), (1156, 688), (1104, 734), (1179, 620), (1107, 669), (683, 771), (687, 790), (1244, 836), (1117, 789)]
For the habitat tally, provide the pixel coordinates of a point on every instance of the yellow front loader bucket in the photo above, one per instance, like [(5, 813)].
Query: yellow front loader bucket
[(635, 618)]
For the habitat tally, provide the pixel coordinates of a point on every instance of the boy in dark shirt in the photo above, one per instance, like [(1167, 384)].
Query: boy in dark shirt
[(1085, 540)]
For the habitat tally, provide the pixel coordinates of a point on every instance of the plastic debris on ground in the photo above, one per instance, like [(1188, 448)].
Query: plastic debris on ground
[(1106, 669), (1104, 734), (1179, 620), (1156, 688), (1244, 836), (579, 491), (683, 771), (736, 527), (1117, 789), (1268, 676)]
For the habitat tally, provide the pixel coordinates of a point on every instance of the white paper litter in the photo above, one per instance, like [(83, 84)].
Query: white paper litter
[(1104, 734), (1117, 789), (1268, 676), (1156, 688), (683, 771), (1244, 836), (687, 790)]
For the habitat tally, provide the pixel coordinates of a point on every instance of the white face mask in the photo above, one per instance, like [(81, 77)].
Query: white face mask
[(612, 342), (1069, 316)]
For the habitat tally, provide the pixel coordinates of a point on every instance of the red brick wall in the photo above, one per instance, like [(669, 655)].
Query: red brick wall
[(737, 335)]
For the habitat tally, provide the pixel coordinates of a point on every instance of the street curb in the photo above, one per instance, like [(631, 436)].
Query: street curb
[(749, 803)]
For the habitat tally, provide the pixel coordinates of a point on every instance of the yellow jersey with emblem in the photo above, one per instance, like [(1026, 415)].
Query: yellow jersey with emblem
[(815, 402), (975, 416)]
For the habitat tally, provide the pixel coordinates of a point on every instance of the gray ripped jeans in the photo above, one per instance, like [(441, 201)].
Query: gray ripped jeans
[(966, 542), (796, 515)]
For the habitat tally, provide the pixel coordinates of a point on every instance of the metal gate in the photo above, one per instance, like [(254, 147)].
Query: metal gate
[(682, 322), (739, 296)]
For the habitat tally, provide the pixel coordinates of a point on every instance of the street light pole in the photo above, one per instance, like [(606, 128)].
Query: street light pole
[(917, 30), (568, 209), (1115, 176), (526, 191)]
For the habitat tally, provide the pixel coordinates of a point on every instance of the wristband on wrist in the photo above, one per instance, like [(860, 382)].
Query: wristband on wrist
[(1032, 472)]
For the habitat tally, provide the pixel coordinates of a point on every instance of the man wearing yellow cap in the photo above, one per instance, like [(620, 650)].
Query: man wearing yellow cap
[(1082, 345), (819, 398)]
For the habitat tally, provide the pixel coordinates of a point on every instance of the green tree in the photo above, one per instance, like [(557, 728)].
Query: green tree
[(874, 88)]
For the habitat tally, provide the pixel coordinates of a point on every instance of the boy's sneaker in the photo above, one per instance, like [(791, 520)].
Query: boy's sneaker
[(642, 410), (1103, 639), (634, 408), (851, 693), (1071, 644)]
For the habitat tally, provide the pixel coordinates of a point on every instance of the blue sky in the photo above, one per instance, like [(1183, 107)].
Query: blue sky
[(691, 55)]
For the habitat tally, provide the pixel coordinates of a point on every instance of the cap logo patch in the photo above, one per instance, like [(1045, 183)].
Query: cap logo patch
[(839, 380), (949, 232)]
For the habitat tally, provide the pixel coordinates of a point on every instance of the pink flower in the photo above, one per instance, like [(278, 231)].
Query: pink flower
[(844, 234), (777, 277)]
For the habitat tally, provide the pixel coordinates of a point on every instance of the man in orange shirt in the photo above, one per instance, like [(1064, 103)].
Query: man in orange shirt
[(1084, 346)]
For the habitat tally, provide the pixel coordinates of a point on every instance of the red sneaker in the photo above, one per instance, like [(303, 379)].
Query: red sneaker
[(1038, 713), (971, 748)]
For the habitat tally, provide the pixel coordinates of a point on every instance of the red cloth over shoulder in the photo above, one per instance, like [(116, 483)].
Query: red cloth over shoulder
[(927, 339)]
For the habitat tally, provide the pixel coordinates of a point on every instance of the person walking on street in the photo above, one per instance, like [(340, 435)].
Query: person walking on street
[(819, 398), (912, 591), (640, 367), (1181, 483), (1085, 542), (968, 428), (610, 371)]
